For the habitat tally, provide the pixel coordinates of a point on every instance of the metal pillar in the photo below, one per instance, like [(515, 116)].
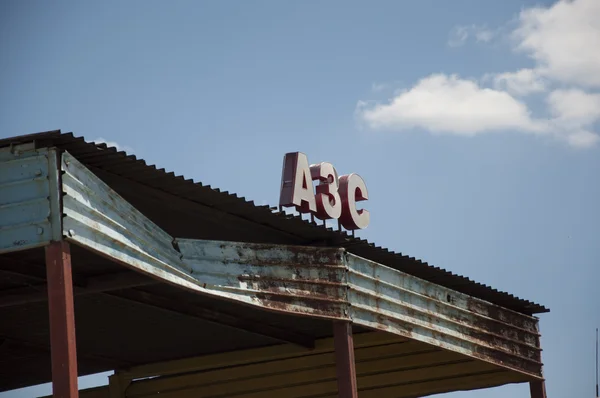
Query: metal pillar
[(344, 360), (62, 320), (537, 389)]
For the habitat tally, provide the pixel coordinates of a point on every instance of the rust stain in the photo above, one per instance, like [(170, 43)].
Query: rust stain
[(267, 254), (300, 288), (308, 305), (503, 315)]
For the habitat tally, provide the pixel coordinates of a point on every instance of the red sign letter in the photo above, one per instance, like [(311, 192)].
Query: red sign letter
[(352, 190), (296, 183), (329, 204)]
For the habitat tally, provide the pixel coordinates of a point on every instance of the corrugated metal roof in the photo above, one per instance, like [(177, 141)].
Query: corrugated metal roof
[(292, 228)]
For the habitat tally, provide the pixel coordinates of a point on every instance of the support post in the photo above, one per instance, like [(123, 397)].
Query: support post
[(537, 389), (344, 359), (62, 320)]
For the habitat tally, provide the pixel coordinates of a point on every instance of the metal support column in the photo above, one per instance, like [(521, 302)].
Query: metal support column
[(62, 320), (537, 389), (344, 360)]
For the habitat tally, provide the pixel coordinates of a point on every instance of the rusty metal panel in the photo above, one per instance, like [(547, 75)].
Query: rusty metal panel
[(29, 204), (98, 218), (292, 279), (386, 299), (300, 280)]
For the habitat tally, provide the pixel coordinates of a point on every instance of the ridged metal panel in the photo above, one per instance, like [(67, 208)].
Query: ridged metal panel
[(28, 193), (386, 299), (120, 163), (289, 279), (292, 279), (96, 217)]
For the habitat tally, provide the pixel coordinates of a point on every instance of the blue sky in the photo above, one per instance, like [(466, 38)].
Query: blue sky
[(474, 124)]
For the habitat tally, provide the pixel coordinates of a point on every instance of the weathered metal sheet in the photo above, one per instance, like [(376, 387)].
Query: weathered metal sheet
[(386, 299), (28, 193), (299, 280), (98, 218), (294, 279)]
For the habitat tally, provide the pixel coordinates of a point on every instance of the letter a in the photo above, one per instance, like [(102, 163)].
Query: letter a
[(296, 183)]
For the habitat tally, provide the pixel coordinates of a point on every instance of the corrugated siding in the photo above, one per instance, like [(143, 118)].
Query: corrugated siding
[(292, 279), (96, 217), (299, 280), (28, 192), (386, 299)]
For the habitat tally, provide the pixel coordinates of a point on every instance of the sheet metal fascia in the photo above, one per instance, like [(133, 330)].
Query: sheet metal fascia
[(97, 218), (29, 197), (291, 279), (386, 299), (299, 280)]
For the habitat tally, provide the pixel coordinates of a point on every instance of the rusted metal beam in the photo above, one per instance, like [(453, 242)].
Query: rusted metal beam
[(98, 284), (344, 359), (218, 317), (537, 389), (62, 320)]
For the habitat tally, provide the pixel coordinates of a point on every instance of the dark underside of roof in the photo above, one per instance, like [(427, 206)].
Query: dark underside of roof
[(137, 320), (199, 211)]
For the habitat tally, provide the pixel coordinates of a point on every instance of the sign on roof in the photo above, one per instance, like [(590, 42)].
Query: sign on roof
[(335, 197)]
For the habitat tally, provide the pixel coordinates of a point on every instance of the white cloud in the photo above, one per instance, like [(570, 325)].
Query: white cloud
[(460, 33), (582, 139), (522, 82), (563, 40), (119, 147), (448, 104), (574, 113), (574, 106)]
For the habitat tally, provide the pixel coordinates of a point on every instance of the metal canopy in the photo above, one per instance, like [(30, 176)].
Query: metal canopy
[(49, 195), (229, 217)]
